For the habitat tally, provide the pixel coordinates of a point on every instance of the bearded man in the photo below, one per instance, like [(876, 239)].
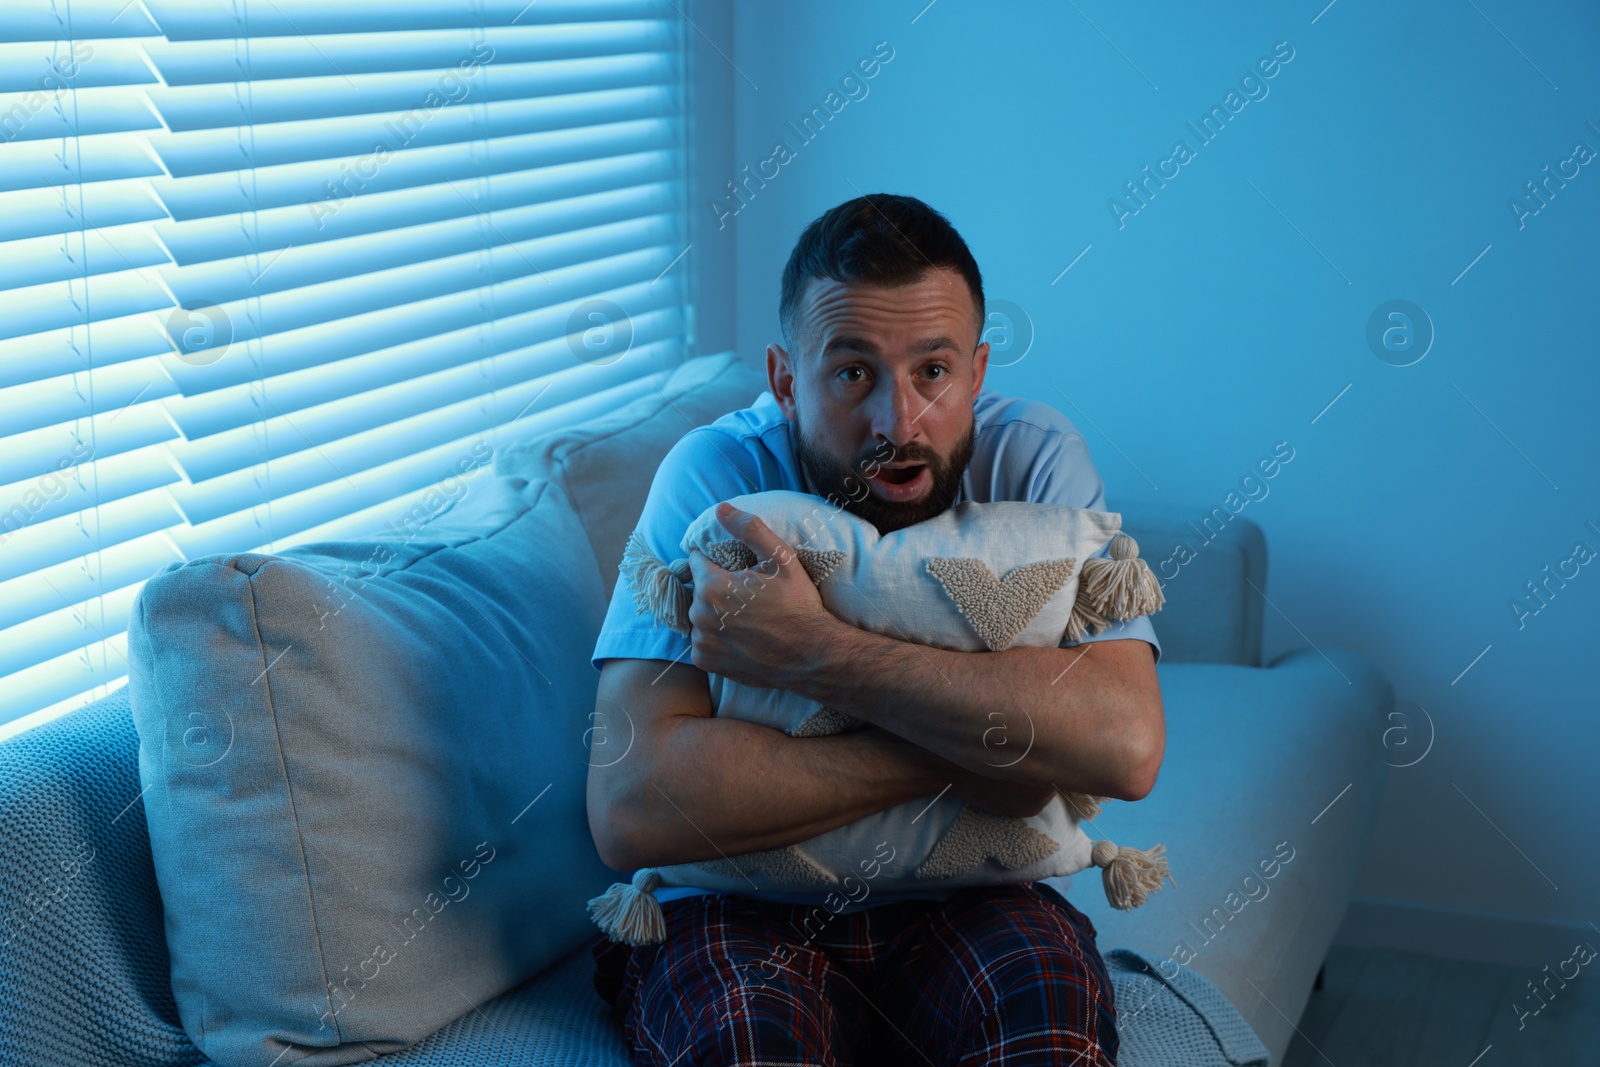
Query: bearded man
[(876, 403)]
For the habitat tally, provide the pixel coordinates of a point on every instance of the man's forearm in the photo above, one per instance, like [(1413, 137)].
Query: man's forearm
[(720, 787), (1043, 716)]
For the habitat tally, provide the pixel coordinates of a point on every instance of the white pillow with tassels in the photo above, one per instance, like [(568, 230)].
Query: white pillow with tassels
[(975, 577)]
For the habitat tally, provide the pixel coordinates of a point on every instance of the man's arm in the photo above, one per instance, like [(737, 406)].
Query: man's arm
[(1086, 719), (669, 783), (1094, 715)]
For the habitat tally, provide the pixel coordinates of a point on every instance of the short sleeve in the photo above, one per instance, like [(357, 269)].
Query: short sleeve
[(1064, 474), (703, 468)]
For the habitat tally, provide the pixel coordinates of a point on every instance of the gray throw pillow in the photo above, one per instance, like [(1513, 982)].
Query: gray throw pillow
[(363, 767)]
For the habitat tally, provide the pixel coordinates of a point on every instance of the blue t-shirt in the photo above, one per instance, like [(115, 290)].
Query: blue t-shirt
[(1022, 450)]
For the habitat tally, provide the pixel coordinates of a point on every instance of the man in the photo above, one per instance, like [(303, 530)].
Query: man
[(876, 404)]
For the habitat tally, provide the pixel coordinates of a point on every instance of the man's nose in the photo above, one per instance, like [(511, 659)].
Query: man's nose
[(897, 417)]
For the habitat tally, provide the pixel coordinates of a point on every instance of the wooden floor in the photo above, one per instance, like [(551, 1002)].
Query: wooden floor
[(1378, 1007)]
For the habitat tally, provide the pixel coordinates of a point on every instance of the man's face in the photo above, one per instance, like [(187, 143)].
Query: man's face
[(881, 394)]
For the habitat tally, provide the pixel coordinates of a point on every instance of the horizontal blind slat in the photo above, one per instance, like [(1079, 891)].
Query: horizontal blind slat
[(220, 411), (51, 115), (34, 213), (353, 54), (42, 164), (45, 66), (46, 20), (59, 634), (181, 20), (52, 681), (211, 151), (80, 396), (370, 172), (35, 262), (109, 479), (418, 95), (100, 538)]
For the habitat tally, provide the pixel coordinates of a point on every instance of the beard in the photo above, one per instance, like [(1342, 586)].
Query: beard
[(845, 484)]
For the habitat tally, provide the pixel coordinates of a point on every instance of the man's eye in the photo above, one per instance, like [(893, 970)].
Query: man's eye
[(849, 370), (940, 367)]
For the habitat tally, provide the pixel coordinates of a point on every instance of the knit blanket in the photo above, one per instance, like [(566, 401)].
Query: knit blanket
[(1182, 1021)]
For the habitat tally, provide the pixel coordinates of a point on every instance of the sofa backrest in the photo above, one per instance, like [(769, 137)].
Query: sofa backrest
[(1213, 573)]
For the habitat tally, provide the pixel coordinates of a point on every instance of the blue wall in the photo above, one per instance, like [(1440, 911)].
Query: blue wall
[(1231, 310)]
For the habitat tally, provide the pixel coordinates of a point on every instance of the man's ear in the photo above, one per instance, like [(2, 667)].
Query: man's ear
[(980, 365), (780, 379)]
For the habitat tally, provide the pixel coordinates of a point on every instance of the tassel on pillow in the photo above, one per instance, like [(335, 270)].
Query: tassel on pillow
[(629, 913), (662, 589), (1120, 586), (1130, 875), (1085, 808)]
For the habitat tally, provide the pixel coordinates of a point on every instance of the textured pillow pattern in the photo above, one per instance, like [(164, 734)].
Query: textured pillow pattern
[(363, 767), (978, 577)]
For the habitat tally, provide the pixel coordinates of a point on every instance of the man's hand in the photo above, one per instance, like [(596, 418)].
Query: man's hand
[(754, 626)]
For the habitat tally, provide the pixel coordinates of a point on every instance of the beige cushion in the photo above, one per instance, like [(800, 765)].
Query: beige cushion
[(979, 576), (604, 466), (975, 577)]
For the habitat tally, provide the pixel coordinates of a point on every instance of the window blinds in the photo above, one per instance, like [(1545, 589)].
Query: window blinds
[(271, 269)]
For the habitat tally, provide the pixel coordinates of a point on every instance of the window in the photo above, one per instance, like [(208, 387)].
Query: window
[(271, 269)]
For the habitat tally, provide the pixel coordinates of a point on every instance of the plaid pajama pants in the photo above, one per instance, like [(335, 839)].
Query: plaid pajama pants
[(993, 975)]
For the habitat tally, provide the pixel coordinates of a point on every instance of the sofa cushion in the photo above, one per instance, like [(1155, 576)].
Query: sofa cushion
[(553, 1020), (558, 1020), (605, 464), (1266, 800), (364, 775)]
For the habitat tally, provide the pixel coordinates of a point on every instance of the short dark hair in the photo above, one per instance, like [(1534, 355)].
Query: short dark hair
[(879, 239)]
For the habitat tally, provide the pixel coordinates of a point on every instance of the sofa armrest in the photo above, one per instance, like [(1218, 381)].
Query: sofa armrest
[(84, 974)]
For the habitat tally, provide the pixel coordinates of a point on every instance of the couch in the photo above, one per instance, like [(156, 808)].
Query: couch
[(1266, 802)]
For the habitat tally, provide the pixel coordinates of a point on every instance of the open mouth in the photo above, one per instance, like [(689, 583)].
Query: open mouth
[(899, 475), (902, 484)]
